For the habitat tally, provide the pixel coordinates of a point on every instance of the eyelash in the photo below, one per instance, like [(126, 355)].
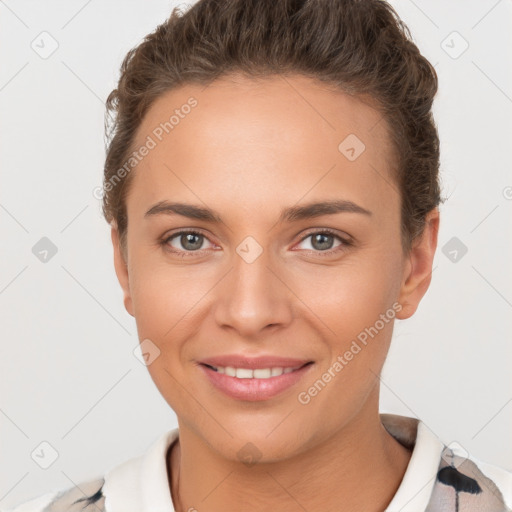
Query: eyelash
[(346, 243)]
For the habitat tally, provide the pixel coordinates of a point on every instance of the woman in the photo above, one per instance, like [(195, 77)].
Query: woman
[(271, 183)]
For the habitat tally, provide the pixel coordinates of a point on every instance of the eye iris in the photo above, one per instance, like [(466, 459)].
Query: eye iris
[(185, 239), (321, 237)]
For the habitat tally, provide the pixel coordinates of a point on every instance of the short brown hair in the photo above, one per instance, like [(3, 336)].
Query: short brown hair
[(359, 46)]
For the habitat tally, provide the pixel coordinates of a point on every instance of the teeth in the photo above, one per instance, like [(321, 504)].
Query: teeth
[(244, 373), (230, 371), (262, 373), (258, 373)]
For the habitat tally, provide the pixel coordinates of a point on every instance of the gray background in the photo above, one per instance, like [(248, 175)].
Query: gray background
[(68, 373)]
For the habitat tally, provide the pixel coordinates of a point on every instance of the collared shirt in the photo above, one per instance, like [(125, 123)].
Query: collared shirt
[(438, 478)]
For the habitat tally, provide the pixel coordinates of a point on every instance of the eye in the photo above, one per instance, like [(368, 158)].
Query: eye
[(322, 242), (184, 242)]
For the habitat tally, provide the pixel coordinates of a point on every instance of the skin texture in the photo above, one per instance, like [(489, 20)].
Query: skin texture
[(248, 150)]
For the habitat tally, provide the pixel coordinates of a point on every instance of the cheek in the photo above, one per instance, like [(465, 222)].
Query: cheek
[(354, 303), (163, 294), (356, 307), (353, 294), (166, 301)]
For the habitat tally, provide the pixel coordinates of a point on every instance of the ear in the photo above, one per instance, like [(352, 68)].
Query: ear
[(418, 268), (121, 268)]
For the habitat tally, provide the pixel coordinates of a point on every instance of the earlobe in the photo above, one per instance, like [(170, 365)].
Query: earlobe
[(418, 269), (121, 269)]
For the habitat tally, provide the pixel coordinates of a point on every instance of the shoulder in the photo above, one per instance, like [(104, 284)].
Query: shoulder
[(125, 487), (474, 485), (84, 497)]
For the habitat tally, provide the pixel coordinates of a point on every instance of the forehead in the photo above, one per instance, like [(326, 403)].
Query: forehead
[(277, 138)]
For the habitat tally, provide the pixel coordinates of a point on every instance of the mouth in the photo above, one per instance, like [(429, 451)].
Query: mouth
[(254, 384)]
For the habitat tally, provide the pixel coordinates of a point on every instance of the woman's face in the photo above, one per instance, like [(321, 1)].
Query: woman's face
[(274, 276)]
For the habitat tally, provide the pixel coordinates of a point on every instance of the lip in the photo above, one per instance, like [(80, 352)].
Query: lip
[(254, 390), (252, 363)]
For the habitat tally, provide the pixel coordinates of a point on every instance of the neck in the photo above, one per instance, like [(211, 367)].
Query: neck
[(359, 468)]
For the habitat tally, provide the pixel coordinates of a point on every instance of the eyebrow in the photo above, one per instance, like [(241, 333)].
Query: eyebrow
[(291, 214)]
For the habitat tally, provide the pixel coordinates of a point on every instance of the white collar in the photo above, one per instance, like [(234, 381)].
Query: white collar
[(141, 483), (417, 484)]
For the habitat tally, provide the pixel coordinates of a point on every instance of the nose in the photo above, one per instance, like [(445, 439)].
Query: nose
[(253, 297)]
